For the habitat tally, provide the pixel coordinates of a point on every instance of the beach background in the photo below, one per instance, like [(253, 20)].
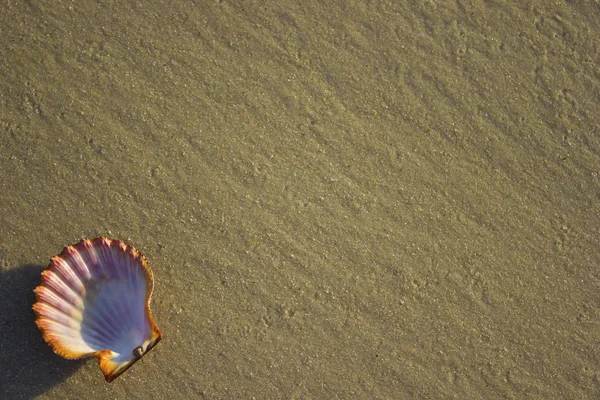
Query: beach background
[(354, 200)]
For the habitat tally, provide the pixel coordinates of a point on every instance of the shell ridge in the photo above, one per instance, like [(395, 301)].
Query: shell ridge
[(68, 256), (105, 254), (129, 264), (109, 331), (56, 315), (62, 268), (139, 316), (89, 257), (59, 349), (101, 317), (101, 247), (75, 259), (131, 269), (95, 338), (140, 272), (119, 308), (121, 266), (119, 261), (134, 283), (55, 282), (113, 309), (55, 335), (53, 323), (48, 296)]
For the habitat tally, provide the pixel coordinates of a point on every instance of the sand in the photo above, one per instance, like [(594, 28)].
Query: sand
[(361, 200)]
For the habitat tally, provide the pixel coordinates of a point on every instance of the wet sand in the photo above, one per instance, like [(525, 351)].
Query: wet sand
[(366, 200)]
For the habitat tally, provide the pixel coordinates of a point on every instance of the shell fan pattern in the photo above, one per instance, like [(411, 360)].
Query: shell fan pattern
[(94, 300)]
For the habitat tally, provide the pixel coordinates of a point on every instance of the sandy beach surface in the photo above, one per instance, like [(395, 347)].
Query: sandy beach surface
[(351, 200)]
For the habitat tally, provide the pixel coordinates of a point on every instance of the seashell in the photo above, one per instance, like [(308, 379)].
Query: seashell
[(94, 300)]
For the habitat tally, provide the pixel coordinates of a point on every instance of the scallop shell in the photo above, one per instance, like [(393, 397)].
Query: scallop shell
[(94, 300)]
